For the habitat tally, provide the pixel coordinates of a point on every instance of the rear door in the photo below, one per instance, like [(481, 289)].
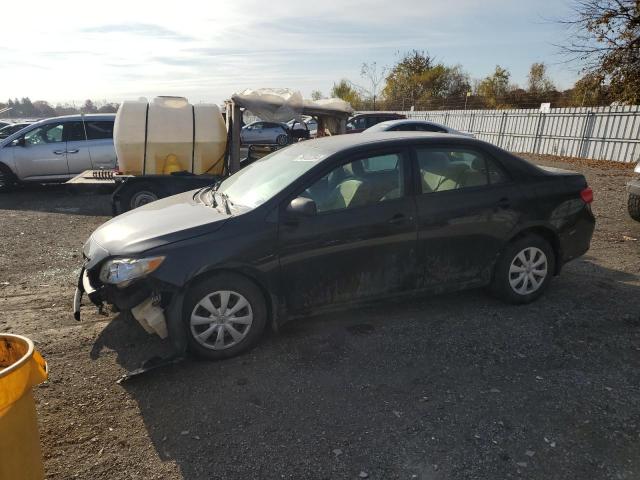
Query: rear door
[(43, 155), (78, 155), (467, 208), (100, 141)]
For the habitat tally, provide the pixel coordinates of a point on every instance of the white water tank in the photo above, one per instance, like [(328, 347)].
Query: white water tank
[(169, 135)]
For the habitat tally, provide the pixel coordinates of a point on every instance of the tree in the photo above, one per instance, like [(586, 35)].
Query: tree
[(538, 81), (606, 42), (458, 83), (374, 76), (88, 107), (590, 91), (494, 87), (108, 108), (316, 95), (346, 92), (406, 81), (417, 79), (43, 109)]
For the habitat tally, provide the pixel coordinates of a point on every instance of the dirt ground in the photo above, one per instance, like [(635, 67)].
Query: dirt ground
[(445, 387)]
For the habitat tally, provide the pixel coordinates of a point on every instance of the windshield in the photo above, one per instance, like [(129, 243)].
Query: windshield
[(261, 180)]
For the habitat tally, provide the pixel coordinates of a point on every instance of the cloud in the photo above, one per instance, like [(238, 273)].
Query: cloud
[(140, 29)]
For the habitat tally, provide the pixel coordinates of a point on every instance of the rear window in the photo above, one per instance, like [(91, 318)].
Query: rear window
[(99, 130)]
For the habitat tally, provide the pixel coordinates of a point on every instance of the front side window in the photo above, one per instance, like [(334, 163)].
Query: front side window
[(99, 130), (51, 133), (443, 169), (359, 183)]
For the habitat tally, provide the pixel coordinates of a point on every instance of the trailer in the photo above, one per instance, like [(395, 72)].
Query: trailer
[(132, 191)]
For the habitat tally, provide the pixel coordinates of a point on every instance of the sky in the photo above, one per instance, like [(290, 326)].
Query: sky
[(207, 50)]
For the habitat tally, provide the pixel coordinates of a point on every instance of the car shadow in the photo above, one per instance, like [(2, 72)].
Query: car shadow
[(59, 198), (426, 387)]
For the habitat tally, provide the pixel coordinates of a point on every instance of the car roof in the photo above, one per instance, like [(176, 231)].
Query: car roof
[(337, 143)]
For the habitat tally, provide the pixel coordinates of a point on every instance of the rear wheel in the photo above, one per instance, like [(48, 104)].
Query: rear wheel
[(7, 179), (282, 139), (524, 270), (633, 206), (224, 315)]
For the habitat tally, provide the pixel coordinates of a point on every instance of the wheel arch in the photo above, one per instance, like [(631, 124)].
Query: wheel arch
[(270, 301), (549, 235)]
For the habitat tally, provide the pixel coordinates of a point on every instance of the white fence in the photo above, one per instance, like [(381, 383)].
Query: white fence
[(603, 133)]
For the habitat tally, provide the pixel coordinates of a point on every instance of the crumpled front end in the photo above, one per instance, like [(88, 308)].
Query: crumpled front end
[(154, 304)]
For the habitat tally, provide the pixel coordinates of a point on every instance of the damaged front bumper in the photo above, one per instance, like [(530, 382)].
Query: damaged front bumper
[(156, 307)]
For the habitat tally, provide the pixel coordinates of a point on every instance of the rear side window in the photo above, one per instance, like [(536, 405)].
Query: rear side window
[(443, 169), (74, 132), (404, 127), (425, 127), (99, 130)]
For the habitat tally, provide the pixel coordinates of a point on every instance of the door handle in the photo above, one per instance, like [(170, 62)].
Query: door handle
[(397, 219), (59, 152), (73, 151), (503, 203)]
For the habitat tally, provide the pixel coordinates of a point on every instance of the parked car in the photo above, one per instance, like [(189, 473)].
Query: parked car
[(12, 128), (57, 149), (408, 125), (633, 196), (334, 222), (4, 124), (361, 122), (268, 133)]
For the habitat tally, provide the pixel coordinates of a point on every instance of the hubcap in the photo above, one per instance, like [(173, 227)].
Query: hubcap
[(221, 320), (142, 198), (528, 270)]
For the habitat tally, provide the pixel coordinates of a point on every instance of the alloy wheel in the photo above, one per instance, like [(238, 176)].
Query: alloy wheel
[(528, 270), (221, 320)]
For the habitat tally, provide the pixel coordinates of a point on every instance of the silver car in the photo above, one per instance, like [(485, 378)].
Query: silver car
[(57, 149), (408, 125), (268, 133)]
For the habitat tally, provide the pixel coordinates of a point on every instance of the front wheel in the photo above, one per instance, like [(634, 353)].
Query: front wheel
[(224, 315), (282, 140), (524, 270), (633, 206)]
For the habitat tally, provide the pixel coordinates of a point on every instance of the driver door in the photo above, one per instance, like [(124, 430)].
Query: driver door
[(44, 154), (362, 241)]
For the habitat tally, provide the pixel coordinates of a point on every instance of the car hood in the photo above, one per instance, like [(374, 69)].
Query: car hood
[(153, 225)]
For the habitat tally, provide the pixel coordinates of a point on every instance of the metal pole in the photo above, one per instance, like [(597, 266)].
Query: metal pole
[(236, 125)]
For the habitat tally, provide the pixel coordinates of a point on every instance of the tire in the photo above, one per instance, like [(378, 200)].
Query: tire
[(633, 206), (7, 179), (138, 194), (282, 139), (518, 287), (197, 313)]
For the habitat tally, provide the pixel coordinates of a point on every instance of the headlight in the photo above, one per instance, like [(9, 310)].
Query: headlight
[(122, 271)]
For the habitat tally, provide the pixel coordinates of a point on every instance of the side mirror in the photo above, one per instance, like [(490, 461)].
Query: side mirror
[(302, 206), (19, 142)]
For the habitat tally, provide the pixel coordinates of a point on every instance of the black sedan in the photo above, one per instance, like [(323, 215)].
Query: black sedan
[(335, 222)]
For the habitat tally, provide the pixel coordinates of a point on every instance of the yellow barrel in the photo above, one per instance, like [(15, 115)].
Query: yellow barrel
[(21, 367)]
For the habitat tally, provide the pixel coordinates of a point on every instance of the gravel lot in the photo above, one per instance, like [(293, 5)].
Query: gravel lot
[(447, 387)]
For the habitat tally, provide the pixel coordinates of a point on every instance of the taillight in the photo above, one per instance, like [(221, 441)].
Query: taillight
[(587, 195)]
